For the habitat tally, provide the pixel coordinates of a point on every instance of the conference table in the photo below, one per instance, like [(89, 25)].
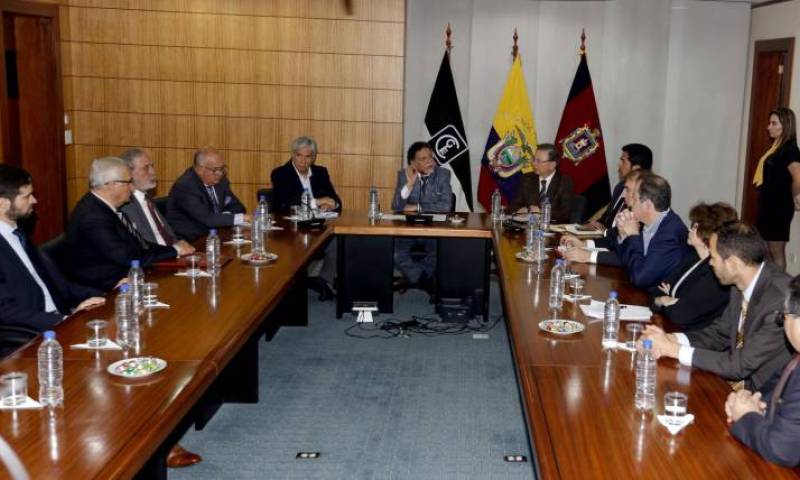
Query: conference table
[(577, 398)]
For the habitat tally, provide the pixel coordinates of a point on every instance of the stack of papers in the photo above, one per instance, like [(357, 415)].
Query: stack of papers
[(596, 309)]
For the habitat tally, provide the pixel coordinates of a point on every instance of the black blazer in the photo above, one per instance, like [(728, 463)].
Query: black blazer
[(616, 204), (776, 434), (560, 192), (701, 298), (608, 241), (101, 247), (21, 299), (190, 209), (765, 349), (287, 189)]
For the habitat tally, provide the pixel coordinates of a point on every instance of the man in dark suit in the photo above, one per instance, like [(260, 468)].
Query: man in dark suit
[(545, 182), (421, 187), (634, 156), (770, 424), (745, 345), (202, 199), (33, 293), (141, 210), (288, 183), (299, 173), (101, 239)]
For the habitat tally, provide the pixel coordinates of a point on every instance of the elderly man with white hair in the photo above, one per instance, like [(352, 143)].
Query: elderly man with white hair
[(101, 239)]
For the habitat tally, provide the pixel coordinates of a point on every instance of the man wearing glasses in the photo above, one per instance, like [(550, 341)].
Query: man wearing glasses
[(101, 239), (545, 181), (202, 199)]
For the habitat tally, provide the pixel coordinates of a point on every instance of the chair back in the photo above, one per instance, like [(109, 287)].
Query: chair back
[(55, 250)]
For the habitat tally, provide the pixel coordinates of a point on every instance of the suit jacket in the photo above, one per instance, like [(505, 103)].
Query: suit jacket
[(135, 212), (190, 209), (775, 435), (560, 192), (438, 195), (101, 247), (21, 298), (610, 242), (701, 298), (765, 349), (664, 254), (287, 188), (616, 204)]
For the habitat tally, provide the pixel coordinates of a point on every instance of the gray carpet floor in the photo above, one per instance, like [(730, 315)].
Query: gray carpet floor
[(416, 407)]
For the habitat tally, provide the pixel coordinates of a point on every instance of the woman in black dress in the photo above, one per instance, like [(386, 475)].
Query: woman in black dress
[(777, 178), (691, 297)]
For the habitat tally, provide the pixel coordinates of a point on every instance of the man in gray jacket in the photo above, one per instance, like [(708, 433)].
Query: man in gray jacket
[(422, 187)]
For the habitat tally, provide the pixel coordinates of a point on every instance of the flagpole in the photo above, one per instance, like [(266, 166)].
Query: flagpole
[(515, 48)]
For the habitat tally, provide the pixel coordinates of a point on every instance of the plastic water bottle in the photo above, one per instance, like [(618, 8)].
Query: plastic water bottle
[(374, 207), (136, 282), (646, 377), (497, 206), (51, 371), (611, 321), (305, 204), (262, 210), (557, 285), (547, 210), (538, 247), (530, 234), (257, 246), (213, 245), (125, 316)]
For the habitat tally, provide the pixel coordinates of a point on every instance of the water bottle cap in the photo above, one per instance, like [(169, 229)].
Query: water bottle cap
[(124, 288), (135, 263), (647, 343), (212, 231), (49, 335), (545, 199), (612, 294), (262, 198)]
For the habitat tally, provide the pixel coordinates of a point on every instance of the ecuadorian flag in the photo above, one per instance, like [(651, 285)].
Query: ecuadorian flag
[(512, 141)]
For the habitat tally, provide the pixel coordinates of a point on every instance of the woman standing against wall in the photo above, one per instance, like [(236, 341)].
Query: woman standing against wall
[(777, 178)]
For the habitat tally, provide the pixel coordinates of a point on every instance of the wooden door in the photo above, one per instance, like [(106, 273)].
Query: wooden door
[(32, 110), (772, 73)]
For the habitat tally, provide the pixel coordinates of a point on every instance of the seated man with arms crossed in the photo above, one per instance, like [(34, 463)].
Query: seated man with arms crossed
[(424, 187), (770, 424), (745, 345), (33, 293), (201, 198), (101, 239), (650, 252), (545, 181)]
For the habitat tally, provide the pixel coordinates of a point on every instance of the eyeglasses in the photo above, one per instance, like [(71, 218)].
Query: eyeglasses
[(216, 170)]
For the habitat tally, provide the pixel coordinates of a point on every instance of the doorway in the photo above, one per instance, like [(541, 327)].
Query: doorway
[(772, 76), (32, 109)]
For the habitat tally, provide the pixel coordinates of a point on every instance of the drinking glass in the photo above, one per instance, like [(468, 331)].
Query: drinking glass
[(194, 260), (576, 284), (15, 388), (675, 405), (634, 330), (150, 294), (237, 234), (98, 333)]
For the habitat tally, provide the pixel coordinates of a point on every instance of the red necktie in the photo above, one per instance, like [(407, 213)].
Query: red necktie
[(168, 239)]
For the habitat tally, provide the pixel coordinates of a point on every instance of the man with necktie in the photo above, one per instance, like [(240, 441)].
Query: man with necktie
[(746, 344), (201, 198), (101, 239), (545, 181), (769, 423), (634, 156), (33, 293)]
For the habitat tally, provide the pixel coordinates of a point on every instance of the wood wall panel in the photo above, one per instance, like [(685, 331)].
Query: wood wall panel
[(246, 76)]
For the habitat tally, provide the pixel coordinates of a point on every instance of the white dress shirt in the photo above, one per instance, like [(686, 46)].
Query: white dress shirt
[(140, 197), (7, 231), (306, 181), (686, 351)]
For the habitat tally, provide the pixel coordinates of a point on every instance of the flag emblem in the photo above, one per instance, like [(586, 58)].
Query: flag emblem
[(448, 144), (510, 154), (581, 144)]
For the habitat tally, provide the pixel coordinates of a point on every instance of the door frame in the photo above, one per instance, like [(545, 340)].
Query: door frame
[(769, 45)]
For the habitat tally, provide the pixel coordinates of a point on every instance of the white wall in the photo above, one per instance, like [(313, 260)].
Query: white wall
[(779, 20), (667, 73)]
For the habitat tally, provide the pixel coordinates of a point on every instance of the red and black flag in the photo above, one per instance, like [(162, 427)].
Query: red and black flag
[(580, 140)]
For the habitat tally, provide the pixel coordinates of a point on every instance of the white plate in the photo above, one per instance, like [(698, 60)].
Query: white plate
[(270, 257), (559, 326), (456, 220), (137, 367)]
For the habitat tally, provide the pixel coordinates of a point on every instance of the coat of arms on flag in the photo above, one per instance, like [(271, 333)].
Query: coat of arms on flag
[(581, 144), (510, 154)]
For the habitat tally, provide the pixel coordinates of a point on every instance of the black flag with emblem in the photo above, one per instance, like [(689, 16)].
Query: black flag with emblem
[(447, 136)]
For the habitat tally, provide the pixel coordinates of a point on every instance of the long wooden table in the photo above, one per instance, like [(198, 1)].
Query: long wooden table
[(577, 398)]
